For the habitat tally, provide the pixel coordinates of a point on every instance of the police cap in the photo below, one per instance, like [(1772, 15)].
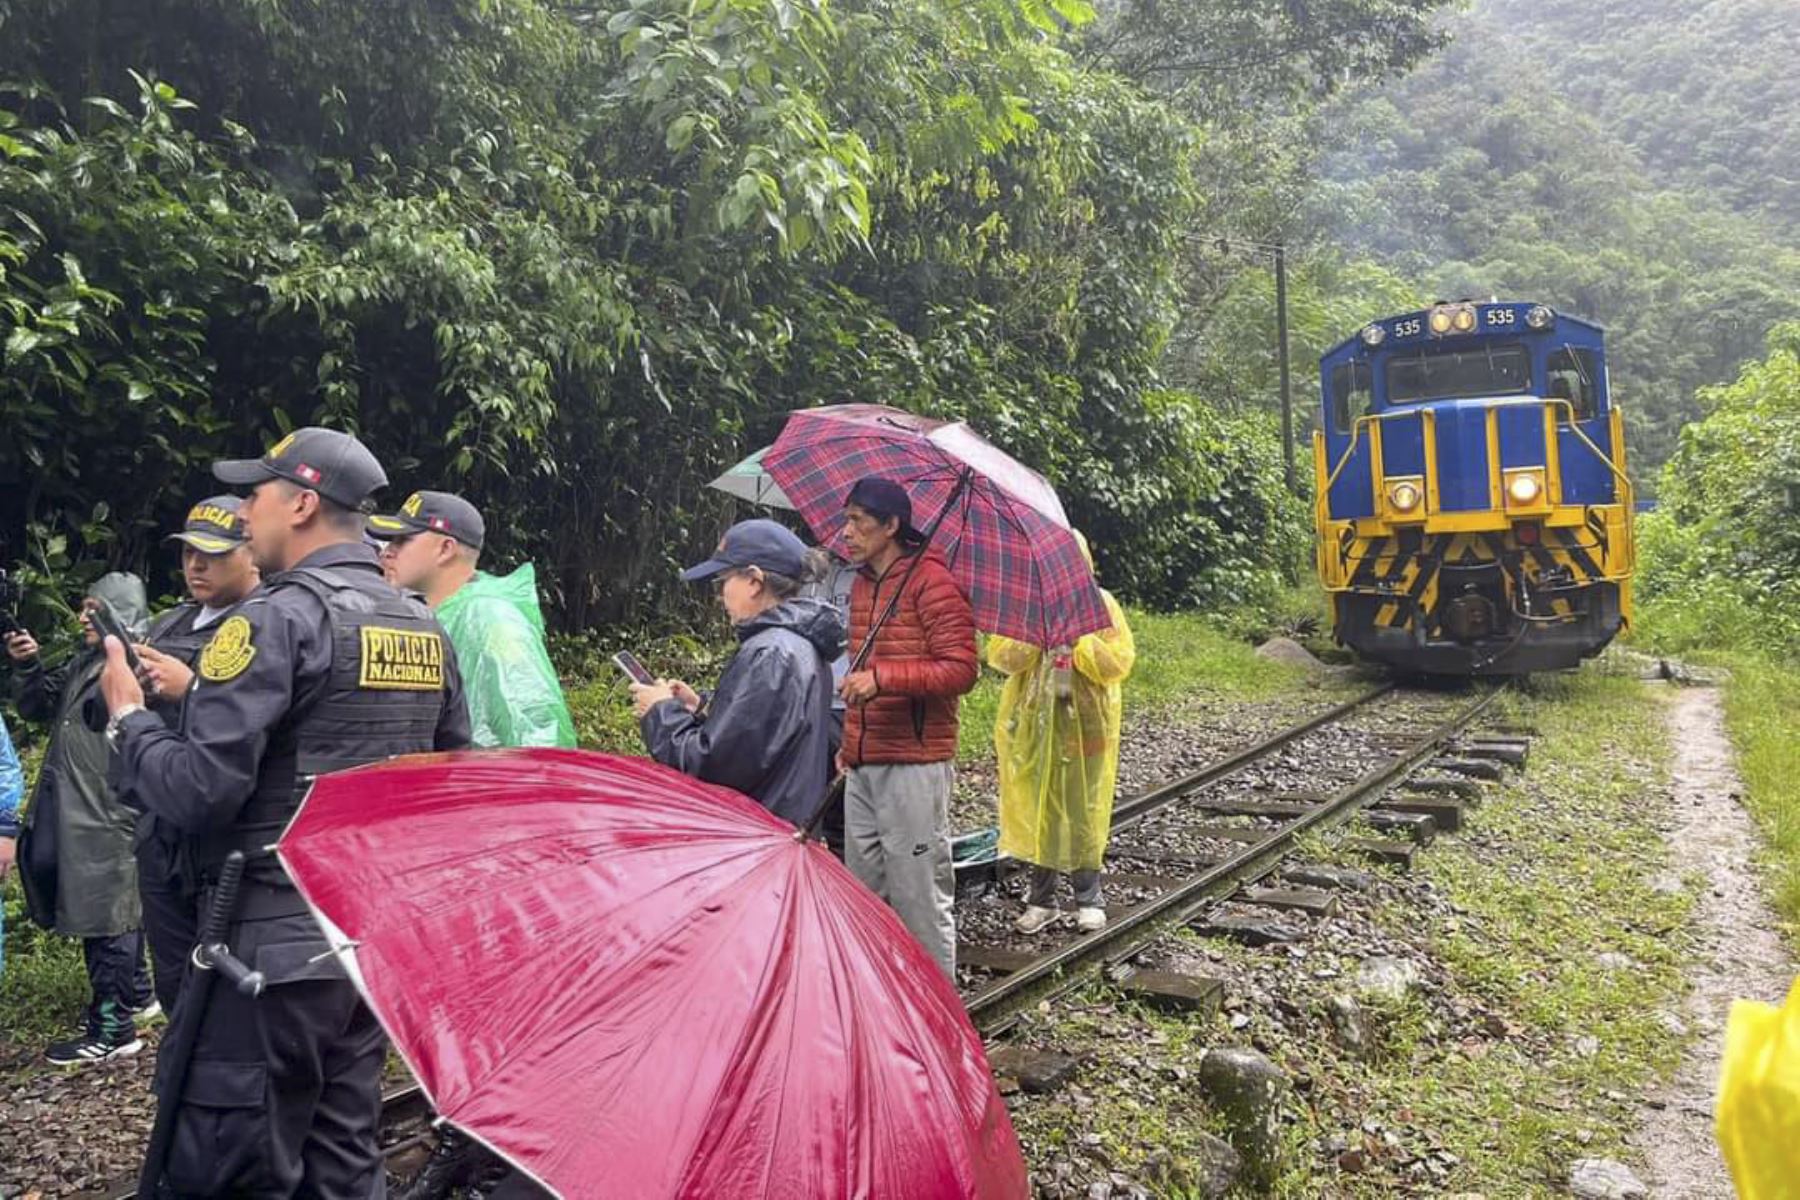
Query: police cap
[(433, 512), (333, 464), (212, 526)]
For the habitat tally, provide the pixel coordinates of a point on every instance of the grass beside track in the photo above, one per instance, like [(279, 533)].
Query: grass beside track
[(1483, 1081), (1762, 713), (1557, 870)]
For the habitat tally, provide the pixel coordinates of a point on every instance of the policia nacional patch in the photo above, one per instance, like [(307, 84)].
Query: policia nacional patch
[(229, 652), (404, 660)]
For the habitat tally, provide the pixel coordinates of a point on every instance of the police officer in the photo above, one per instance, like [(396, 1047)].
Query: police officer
[(219, 572), (282, 1095)]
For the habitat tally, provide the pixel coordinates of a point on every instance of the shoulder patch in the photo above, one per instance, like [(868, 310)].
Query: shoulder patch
[(229, 652)]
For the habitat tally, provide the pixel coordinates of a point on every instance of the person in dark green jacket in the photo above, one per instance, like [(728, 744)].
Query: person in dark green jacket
[(75, 852)]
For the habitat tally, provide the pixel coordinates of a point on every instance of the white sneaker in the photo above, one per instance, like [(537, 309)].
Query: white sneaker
[(1035, 918), (1090, 920)]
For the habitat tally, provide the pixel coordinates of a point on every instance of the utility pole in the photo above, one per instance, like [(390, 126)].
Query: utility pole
[(1287, 400), (1277, 252)]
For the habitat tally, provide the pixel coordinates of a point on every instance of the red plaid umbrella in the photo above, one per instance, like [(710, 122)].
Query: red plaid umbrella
[(997, 522)]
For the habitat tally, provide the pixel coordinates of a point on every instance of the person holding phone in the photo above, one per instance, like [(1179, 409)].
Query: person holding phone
[(75, 847), (766, 729), (220, 574)]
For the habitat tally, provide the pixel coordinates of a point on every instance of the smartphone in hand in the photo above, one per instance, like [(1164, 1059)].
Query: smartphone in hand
[(634, 670), (108, 625)]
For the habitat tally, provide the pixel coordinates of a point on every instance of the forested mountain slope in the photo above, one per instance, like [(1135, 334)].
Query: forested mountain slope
[(1705, 92), (1543, 156)]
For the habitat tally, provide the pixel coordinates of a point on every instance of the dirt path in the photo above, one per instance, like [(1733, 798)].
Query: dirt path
[(1742, 955)]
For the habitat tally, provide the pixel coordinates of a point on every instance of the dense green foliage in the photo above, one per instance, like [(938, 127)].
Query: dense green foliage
[(1721, 557), (574, 260), (1559, 155), (1704, 91)]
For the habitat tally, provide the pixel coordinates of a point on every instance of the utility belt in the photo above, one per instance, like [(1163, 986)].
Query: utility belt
[(265, 892)]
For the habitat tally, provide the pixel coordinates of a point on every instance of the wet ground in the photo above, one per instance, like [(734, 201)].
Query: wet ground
[(1742, 953)]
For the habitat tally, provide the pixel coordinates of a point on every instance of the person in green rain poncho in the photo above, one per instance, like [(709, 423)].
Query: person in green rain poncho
[(431, 546), (1057, 737)]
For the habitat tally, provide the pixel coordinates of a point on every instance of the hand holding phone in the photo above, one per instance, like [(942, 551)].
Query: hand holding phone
[(107, 625), (634, 670)]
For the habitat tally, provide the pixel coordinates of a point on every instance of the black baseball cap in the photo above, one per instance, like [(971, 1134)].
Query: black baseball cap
[(333, 464), (212, 526), (883, 498), (433, 512), (759, 543)]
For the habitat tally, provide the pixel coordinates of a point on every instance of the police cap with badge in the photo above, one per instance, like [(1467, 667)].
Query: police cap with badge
[(433, 512), (333, 464), (212, 526)]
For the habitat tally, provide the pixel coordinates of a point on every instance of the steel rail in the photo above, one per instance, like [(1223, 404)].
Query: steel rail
[(1130, 811), (990, 1007)]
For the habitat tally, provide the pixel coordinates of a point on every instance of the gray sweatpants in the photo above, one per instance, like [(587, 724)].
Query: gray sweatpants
[(897, 841)]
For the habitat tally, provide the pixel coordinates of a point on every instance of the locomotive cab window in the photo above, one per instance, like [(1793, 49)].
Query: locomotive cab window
[(1574, 375), (1352, 394), (1458, 374)]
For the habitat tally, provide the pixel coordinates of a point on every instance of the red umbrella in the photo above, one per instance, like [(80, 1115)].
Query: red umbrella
[(630, 983), (997, 522)]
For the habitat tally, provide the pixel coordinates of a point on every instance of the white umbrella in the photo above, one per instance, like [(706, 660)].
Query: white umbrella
[(748, 481)]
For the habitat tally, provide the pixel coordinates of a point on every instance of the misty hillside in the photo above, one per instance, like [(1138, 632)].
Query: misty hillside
[(1528, 161)]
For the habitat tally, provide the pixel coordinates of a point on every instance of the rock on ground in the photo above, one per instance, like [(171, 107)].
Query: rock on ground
[(1603, 1179), (1287, 650), (1248, 1090), (1387, 977)]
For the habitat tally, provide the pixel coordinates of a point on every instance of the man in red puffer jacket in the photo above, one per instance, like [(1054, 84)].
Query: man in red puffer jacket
[(900, 727)]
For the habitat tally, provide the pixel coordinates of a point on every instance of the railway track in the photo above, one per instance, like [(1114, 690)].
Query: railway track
[(1002, 983), (1248, 853)]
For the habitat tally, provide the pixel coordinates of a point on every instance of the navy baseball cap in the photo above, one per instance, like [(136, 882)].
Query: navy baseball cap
[(433, 512), (333, 464), (212, 526), (759, 543), (883, 498)]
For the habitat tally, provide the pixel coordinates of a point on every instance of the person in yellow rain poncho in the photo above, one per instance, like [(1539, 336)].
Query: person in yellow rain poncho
[(1758, 1115), (1057, 737)]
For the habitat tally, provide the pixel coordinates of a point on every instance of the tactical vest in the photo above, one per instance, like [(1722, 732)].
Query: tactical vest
[(384, 697), (174, 634)]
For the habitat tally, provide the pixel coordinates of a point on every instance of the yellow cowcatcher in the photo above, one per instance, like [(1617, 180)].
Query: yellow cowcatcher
[(1758, 1115), (1057, 737)]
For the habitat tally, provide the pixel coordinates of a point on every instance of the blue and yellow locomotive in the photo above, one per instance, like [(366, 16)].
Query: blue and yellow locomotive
[(1474, 515)]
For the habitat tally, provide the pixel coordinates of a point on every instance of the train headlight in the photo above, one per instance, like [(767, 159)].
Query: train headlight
[(1451, 318), (1524, 489), (1540, 318), (1404, 496), (1373, 335)]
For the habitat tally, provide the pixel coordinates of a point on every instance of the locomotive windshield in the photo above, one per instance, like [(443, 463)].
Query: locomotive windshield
[(1443, 373)]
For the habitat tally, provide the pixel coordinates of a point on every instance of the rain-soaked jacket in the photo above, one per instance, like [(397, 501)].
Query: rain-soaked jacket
[(1057, 737), (75, 854), (515, 698), (12, 784), (766, 731)]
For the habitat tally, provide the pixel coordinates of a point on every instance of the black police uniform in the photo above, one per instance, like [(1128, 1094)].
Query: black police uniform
[(283, 1092), (167, 882)]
